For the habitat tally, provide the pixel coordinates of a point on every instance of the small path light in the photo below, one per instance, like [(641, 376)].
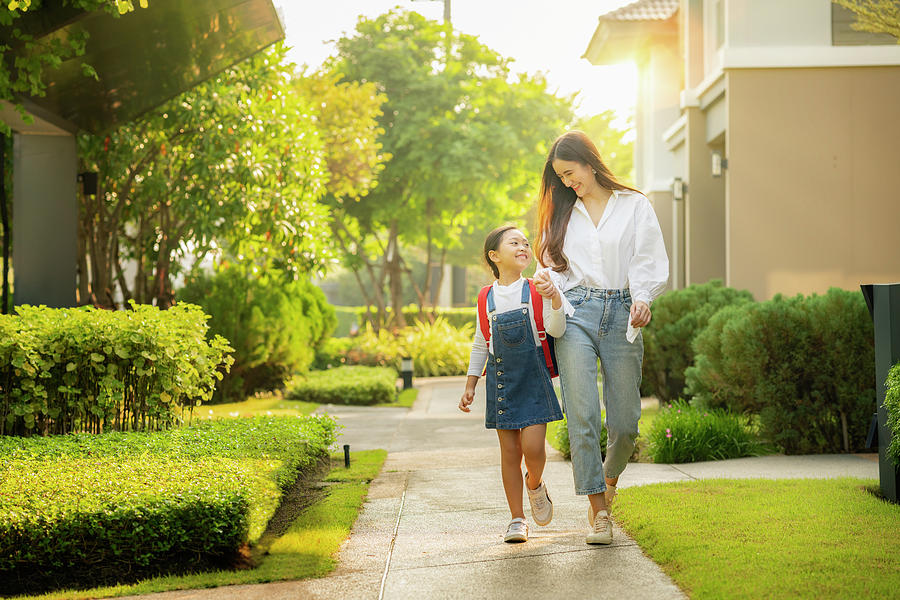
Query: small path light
[(347, 455), (406, 371)]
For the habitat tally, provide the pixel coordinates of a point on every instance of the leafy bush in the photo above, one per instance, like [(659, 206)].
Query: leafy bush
[(84, 369), (678, 317), (436, 348), (803, 364), (892, 404), (561, 436), (457, 317), (682, 433), (332, 353), (346, 385), (274, 326), (89, 509)]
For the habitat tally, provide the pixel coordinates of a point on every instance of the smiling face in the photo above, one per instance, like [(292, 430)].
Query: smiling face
[(513, 253), (576, 175)]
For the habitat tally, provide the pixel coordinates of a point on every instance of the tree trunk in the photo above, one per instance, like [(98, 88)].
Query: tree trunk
[(395, 274), (440, 281), (4, 222)]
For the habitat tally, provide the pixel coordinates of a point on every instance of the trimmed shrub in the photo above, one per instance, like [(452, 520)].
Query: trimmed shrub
[(892, 404), (83, 369), (803, 364), (346, 385), (561, 437), (678, 317), (274, 326), (332, 353), (682, 433)]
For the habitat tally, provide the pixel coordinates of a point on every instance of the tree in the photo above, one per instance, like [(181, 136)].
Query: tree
[(233, 167), (617, 153), (875, 16), (466, 140)]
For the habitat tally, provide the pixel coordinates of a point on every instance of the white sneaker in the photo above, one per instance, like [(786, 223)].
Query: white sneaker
[(541, 505), (601, 529), (516, 532)]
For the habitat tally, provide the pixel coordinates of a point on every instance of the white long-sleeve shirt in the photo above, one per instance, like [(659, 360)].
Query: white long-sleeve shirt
[(624, 250), (506, 298)]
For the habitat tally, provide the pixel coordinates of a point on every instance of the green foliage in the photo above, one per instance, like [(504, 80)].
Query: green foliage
[(681, 433), (82, 509), (437, 348), (332, 352), (892, 405), (274, 325), (64, 370), (346, 385), (455, 317), (803, 364), (558, 436), (678, 317)]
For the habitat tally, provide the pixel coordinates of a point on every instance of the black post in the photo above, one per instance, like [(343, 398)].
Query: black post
[(884, 305), (347, 455)]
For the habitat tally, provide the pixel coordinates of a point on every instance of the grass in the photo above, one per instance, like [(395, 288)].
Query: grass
[(768, 539), (270, 405), (405, 399), (305, 550)]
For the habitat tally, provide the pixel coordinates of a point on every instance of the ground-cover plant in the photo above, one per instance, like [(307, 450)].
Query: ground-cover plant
[(818, 539), (69, 504), (804, 365), (678, 317), (892, 404), (346, 385), (682, 433), (307, 549), (437, 348), (274, 325), (82, 369)]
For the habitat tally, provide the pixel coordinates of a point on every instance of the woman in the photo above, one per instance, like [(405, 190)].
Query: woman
[(603, 243)]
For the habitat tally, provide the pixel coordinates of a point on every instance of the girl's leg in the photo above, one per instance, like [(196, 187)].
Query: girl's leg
[(535, 453), (511, 469)]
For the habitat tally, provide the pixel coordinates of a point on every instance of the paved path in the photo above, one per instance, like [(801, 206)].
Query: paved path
[(433, 523)]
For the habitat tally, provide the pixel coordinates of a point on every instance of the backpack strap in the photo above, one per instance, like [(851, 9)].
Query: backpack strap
[(537, 302), (483, 313)]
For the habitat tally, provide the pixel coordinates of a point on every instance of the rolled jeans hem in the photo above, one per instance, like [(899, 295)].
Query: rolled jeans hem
[(591, 492)]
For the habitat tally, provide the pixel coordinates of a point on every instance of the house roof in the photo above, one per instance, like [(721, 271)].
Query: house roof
[(644, 10)]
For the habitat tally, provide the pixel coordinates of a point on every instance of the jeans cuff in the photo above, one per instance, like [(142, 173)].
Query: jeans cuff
[(591, 491)]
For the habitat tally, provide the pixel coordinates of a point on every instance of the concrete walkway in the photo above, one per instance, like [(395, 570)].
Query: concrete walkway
[(433, 523)]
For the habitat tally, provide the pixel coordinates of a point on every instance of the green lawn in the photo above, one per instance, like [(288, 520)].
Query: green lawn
[(305, 550), (768, 539), (272, 405)]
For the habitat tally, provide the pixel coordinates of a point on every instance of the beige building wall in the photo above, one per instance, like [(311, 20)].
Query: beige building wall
[(813, 179)]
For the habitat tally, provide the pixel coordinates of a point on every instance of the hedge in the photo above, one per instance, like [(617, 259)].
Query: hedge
[(892, 404), (803, 364), (83, 510), (83, 369), (274, 325), (346, 385), (678, 317)]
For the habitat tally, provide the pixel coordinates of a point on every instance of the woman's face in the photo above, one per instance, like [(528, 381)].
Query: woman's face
[(513, 252), (575, 175)]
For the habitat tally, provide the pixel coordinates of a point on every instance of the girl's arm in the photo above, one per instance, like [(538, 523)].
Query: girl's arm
[(469, 394), (477, 359), (554, 313)]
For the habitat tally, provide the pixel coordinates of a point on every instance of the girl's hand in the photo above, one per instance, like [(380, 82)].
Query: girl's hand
[(544, 286), (640, 314), (467, 398)]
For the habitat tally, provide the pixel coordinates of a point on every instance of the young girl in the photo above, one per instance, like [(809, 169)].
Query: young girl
[(520, 398)]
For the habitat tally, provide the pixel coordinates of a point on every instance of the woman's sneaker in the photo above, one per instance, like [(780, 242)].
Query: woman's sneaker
[(516, 532), (541, 505), (601, 529)]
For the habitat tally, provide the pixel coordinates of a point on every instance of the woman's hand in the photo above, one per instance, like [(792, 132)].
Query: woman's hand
[(544, 286), (640, 314), (467, 398)]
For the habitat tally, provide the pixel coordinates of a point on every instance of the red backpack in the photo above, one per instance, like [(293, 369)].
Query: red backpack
[(537, 302)]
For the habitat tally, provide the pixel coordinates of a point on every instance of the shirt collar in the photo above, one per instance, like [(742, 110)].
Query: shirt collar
[(579, 205)]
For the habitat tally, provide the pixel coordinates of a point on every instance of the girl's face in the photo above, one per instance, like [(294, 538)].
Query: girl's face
[(513, 253), (575, 175)]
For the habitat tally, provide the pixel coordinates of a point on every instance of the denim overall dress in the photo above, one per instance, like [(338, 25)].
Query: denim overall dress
[(519, 392)]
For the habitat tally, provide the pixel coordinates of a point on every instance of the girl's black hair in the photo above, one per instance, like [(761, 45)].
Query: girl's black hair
[(492, 242)]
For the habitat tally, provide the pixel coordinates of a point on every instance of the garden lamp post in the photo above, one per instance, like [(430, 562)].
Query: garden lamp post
[(406, 371)]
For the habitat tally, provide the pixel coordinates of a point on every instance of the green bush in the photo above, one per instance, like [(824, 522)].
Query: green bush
[(892, 405), (346, 385), (457, 317), (678, 317), (681, 433), (88, 509), (83, 369), (274, 325), (561, 437), (803, 364), (436, 348), (332, 353)]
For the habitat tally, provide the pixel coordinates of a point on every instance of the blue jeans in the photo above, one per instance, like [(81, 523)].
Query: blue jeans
[(597, 330)]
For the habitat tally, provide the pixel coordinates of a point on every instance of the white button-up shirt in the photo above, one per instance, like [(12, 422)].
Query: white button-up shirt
[(624, 251)]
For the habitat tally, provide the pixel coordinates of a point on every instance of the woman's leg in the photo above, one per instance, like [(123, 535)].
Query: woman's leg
[(535, 453), (511, 469)]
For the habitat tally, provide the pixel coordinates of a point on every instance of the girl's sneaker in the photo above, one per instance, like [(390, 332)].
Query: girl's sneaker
[(601, 529), (541, 505), (516, 532)]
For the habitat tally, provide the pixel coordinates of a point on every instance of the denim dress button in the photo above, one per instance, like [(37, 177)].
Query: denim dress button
[(499, 386), (499, 373)]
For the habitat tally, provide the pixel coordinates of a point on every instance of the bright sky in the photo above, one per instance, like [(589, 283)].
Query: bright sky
[(540, 35)]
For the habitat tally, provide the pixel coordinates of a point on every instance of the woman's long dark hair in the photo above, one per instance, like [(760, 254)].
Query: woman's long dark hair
[(556, 200)]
